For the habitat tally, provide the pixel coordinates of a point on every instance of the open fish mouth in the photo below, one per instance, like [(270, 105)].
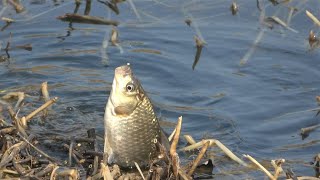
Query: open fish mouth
[(123, 70)]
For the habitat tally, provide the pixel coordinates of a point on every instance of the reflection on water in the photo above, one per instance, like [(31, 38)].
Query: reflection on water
[(257, 108)]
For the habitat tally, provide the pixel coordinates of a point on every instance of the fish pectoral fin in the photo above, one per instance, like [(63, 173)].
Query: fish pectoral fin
[(123, 110), (111, 159), (108, 151)]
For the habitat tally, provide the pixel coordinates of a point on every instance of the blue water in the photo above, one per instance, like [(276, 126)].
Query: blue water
[(257, 108)]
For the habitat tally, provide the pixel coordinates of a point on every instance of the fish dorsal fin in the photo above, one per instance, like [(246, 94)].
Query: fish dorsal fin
[(123, 110)]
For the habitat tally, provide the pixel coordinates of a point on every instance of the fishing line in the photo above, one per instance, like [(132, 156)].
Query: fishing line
[(134, 9), (194, 23), (163, 4), (3, 10)]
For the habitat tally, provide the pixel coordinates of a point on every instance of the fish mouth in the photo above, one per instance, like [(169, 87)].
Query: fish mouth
[(123, 71)]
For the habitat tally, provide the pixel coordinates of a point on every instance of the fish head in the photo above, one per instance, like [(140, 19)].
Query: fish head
[(126, 92)]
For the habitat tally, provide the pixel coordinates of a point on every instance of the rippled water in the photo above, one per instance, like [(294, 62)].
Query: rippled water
[(257, 108)]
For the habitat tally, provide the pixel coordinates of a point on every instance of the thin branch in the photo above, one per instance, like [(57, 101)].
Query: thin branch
[(199, 157), (44, 106)]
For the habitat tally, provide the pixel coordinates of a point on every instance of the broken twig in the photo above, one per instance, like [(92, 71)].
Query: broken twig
[(44, 106), (260, 166), (199, 46), (77, 18), (199, 157), (313, 18)]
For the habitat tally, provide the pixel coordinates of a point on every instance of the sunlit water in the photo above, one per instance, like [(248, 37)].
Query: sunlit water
[(253, 109)]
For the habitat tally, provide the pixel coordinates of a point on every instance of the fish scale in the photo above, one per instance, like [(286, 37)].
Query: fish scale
[(130, 137), (138, 134)]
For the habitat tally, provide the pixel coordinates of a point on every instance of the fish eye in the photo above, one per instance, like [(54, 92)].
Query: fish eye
[(130, 87)]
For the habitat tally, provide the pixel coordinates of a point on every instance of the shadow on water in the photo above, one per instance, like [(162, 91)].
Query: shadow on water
[(252, 108)]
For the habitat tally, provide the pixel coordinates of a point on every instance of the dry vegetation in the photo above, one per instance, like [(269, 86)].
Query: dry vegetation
[(21, 158)]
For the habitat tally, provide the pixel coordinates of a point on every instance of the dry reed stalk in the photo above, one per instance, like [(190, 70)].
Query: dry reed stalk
[(313, 18), (113, 6), (183, 175), (92, 134), (20, 124), (7, 20), (16, 5), (199, 157), (74, 151), (173, 148), (70, 173), (86, 19), (307, 130), (8, 171), (7, 130), (45, 171), (174, 144), (260, 166), (19, 95), (45, 92), (21, 170), (114, 36), (175, 164), (105, 171), (53, 173), (172, 134), (45, 12), (282, 23), (189, 139), (114, 39), (88, 7), (307, 178), (227, 151), (41, 108), (199, 46), (70, 153), (27, 47), (277, 165)]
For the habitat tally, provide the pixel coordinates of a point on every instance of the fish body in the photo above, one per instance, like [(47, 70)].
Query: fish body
[(132, 129)]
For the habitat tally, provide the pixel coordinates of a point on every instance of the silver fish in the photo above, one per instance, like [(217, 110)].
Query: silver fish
[(132, 129)]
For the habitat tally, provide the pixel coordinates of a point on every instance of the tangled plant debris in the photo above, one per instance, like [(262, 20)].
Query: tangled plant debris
[(22, 158)]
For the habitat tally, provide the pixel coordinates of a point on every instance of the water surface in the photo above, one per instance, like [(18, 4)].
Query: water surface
[(257, 108)]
